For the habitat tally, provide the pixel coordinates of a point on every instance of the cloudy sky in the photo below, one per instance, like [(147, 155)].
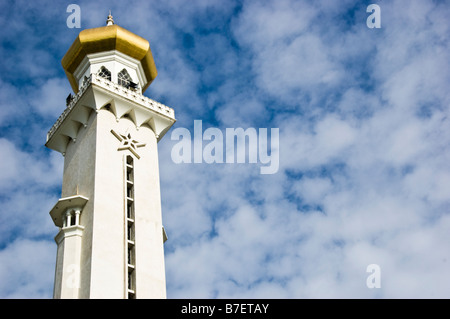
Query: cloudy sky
[(364, 144)]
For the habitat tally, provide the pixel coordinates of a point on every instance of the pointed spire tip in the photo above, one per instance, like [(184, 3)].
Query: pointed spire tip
[(110, 20)]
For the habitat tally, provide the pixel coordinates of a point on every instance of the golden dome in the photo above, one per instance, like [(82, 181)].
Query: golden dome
[(110, 37)]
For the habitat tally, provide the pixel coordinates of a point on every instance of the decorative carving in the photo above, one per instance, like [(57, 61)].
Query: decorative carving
[(128, 143)]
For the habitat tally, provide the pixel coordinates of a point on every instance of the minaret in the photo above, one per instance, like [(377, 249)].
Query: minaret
[(110, 240)]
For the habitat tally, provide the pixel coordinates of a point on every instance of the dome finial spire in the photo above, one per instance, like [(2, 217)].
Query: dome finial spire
[(110, 20)]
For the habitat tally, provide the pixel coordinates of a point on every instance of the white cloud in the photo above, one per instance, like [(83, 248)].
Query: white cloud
[(49, 99), (274, 22), (16, 162), (390, 179), (287, 55), (12, 103), (26, 269), (24, 186), (313, 190)]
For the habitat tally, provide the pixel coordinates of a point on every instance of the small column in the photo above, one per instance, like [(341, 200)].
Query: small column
[(68, 220), (77, 216)]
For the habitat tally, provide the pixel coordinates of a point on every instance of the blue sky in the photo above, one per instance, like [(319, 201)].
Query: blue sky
[(363, 114)]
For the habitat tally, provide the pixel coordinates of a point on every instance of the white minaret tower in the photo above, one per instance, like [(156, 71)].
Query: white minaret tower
[(110, 240)]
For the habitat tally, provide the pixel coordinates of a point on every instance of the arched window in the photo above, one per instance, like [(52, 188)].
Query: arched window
[(104, 73), (124, 78)]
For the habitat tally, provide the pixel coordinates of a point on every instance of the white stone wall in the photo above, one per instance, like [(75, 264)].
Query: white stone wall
[(94, 167)]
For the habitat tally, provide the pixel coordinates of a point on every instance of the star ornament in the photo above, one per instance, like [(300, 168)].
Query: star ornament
[(128, 143)]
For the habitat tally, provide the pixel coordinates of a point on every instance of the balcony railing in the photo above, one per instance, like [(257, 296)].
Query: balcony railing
[(115, 88)]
